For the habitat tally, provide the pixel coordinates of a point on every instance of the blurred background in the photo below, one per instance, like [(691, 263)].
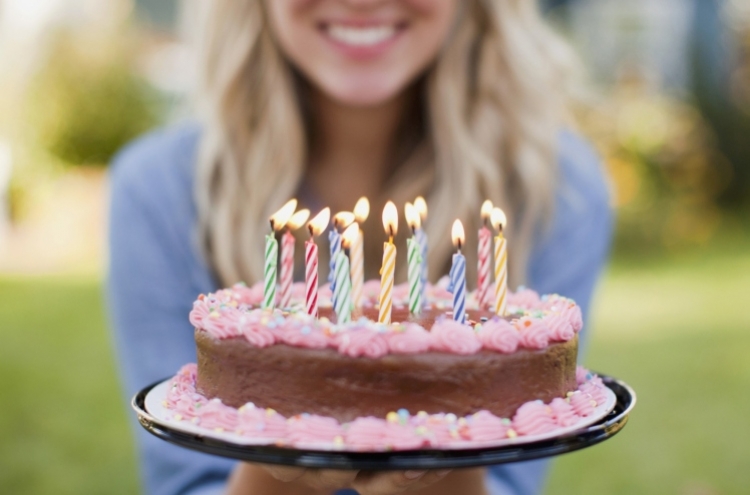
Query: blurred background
[(667, 105)]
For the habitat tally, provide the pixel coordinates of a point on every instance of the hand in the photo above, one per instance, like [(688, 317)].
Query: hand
[(365, 482), (271, 480)]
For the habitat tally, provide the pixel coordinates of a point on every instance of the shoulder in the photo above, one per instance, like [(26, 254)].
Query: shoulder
[(158, 164)]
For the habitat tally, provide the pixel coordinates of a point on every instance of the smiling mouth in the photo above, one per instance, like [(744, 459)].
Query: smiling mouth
[(362, 36)]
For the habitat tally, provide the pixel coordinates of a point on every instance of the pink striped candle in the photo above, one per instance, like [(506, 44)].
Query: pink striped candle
[(315, 227)]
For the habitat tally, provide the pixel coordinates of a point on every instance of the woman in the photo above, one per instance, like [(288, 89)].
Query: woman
[(329, 100)]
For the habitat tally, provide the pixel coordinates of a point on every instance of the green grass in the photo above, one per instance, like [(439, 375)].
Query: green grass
[(678, 331)]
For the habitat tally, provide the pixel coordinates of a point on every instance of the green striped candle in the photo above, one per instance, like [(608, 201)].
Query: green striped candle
[(269, 272), (343, 289), (414, 258)]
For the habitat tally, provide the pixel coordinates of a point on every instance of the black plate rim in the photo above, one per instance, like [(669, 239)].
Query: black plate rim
[(591, 435)]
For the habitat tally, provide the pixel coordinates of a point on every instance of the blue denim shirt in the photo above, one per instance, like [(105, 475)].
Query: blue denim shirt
[(156, 271)]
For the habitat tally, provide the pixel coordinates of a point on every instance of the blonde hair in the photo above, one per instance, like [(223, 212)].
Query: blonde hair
[(494, 105)]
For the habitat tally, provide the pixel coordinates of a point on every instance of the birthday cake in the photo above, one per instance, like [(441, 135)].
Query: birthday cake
[(393, 367)]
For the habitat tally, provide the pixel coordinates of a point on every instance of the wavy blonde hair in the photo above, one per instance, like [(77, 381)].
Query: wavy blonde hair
[(491, 110)]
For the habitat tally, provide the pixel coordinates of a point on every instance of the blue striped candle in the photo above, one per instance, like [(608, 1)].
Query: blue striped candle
[(457, 286), (421, 237), (334, 240)]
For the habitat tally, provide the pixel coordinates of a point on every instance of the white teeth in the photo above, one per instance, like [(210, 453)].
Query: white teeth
[(361, 36)]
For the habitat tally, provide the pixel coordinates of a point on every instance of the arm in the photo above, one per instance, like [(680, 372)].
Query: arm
[(154, 275), (568, 260)]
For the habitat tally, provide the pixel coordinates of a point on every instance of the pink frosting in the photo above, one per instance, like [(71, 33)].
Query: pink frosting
[(260, 423), (249, 296), (582, 375), (258, 334), (309, 336), (363, 342), (439, 431), (222, 323), (533, 418), (402, 437), (371, 290), (199, 313), (188, 406), (559, 326), (485, 426), (583, 404), (412, 340), (366, 433), (451, 336), (216, 416), (562, 412), (499, 335), (525, 298), (573, 313), (534, 333), (401, 292), (596, 391), (306, 429)]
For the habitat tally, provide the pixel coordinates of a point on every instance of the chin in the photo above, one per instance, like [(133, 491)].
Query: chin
[(362, 91)]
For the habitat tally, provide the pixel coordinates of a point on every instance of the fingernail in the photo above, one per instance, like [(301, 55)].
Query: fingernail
[(442, 472), (412, 475)]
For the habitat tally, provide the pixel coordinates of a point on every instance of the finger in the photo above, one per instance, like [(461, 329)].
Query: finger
[(431, 477), (286, 474), (329, 479), (387, 482)]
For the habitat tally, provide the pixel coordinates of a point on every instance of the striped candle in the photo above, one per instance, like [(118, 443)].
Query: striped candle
[(269, 272), (311, 278), (457, 286), (343, 291), (414, 259), (483, 267), (421, 237), (501, 274), (334, 240), (357, 268), (386, 282), (287, 269)]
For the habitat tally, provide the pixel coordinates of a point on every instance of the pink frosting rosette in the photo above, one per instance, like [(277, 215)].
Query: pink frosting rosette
[(524, 298), (582, 375), (583, 404), (258, 334), (188, 406), (260, 423), (298, 291), (249, 296), (188, 372), (574, 316), (199, 313), (366, 433), (596, 391), (402, 437), (499, 335), (401, 293), (533, 418), (371, 291), (214, 415), (452, 336), (440, 432), (486, 427), (412, 340), (562, 412), (313, 429), (300, 334), (224, 322), (362, 342), (534, 333), (559, 326)]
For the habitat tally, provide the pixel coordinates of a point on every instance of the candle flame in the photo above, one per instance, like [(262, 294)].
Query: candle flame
[(457, 233), (498, 219), (421, 205), (362, 209), (412, 216), (349, 235), (298, 219), (390, 219), (281, 217), (320, 222), (486, 210), (343, 219)]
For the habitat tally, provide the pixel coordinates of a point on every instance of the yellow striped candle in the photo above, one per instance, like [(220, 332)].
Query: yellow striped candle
[(499, 220), (387, 270), (357, 252)]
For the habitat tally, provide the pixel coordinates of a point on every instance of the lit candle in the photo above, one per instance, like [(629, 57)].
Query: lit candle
[(287, 257), (278, 220), (341, 220), (315, 227), (483, 257), (356, 252), (414, 259), (343, 305), (457, 275), (499, 221), (421, 205), (390, 223)]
